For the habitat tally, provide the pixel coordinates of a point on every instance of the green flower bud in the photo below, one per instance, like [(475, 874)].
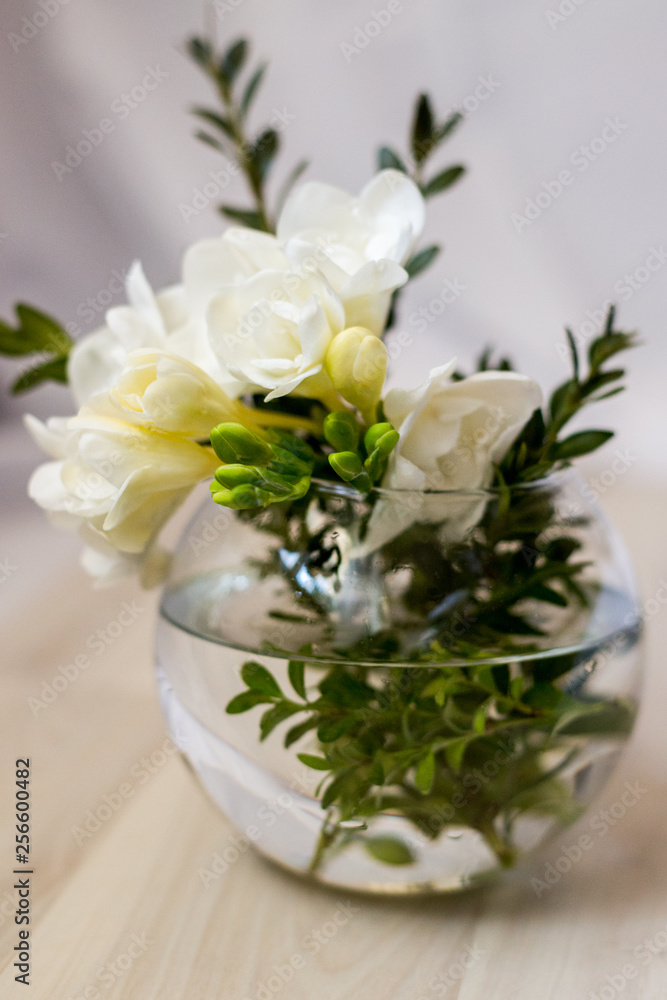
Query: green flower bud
[(234, 443), (236, 475), (246, 497), (221, 494), (375, 465), (287, 464), (382, 436), (349, 467), (301, 450), (341, 431), (282, 473)]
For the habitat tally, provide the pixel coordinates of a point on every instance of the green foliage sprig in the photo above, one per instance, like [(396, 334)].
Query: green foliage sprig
[(256, 154), (415, 741), (39, 336), (540, 446), (417, 738), (426, 137)]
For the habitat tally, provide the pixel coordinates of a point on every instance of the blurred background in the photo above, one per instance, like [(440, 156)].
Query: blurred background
[(551, 86)]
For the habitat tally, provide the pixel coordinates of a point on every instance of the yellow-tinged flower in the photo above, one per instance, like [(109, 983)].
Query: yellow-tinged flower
[(121, 480), (161, 390), (356, 363)]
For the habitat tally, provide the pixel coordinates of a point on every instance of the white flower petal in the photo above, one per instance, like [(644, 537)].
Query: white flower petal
[(391, 196), (314, 205), (51, 436)]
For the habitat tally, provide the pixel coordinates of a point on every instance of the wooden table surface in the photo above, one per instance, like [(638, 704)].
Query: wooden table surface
[(120, 908)]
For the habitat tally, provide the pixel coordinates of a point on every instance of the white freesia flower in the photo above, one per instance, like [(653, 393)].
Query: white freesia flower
[(273, 331), (451, 432), (357, 243), (173, 320), (161, 391), (112, 478), (210, 266), (252, 312), (97, 360)]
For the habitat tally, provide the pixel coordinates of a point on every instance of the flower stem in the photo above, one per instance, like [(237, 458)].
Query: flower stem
[(325, 841), (506, 855)]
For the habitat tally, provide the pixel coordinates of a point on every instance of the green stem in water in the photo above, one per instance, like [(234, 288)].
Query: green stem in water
[(506, 855), (326, 840)]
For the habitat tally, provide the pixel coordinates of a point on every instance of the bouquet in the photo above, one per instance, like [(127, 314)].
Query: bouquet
[(263, 371)]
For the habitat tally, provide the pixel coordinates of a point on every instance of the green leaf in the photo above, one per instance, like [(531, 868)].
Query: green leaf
[(549, 669), (573, 352), (219, 121), (609, 718), (210, 141), (246, 217), (422, 129), (251, 89), (560, 549), (436, 689), (605, 347), (501, 677), (245, 701), (612, 392), (441, 132), (543, 697), (296, 732), (421, 260), (13, 342), (387, 159), (36, 332), (334, 790), (344, 690), (479, 719), (504, 621), (579, 444), (317, 763), (274, 716), (564, 400), (597, 382), (258, 678), (43, 332), (233, 60), (333, 729), (55, 370), (442, 181), (201, 51), (389, 850), (289, 183), (454, 751), (425, 773), (296, 672), (264, 151), (540, 592)]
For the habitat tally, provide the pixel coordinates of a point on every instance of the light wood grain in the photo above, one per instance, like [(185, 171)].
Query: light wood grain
[(139, 874)]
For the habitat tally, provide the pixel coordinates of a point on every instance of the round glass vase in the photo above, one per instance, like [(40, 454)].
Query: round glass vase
[(401, 692)]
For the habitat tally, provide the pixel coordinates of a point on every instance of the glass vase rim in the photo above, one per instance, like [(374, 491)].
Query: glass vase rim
[(558, 478)]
